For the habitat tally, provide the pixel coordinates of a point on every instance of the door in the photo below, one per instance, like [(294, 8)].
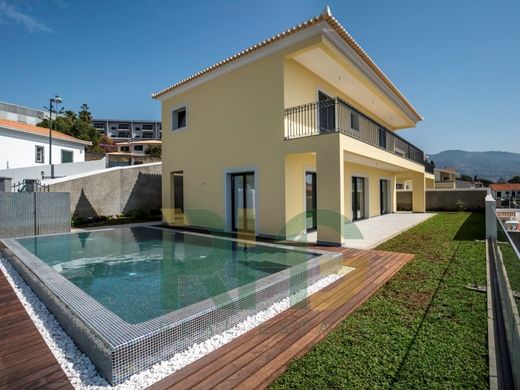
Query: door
[(327, 112), (358, 198), (310, 201), (243, 213), (384, 196)]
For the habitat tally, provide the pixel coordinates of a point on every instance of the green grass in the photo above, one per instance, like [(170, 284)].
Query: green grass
[(422, 330)]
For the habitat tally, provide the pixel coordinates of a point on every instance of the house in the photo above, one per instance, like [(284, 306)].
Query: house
[(446, 177), (293, 134), (506, 194), (123, 129), (132, 153), (25, 145)]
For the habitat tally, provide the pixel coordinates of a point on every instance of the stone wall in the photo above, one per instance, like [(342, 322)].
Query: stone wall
[(446, 200), (113, 191)]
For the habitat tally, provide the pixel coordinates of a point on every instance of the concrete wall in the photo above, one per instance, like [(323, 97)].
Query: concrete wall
[(445, 200), (113, 191), (33, 213), (35, 172)]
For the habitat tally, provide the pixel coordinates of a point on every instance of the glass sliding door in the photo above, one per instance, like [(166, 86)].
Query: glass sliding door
[(243, 212), (358, 198), (384, 196), (310, 201), (327, 112)]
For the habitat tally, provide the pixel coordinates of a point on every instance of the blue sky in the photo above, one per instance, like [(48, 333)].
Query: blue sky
[(457, 61)]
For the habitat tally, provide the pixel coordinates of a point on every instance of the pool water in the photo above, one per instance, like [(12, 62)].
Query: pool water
[(141, 273)]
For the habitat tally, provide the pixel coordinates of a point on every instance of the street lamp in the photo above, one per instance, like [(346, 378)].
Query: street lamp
[(53, 107)]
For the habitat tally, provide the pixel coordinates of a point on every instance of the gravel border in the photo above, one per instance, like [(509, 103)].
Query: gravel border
[(83, 374)]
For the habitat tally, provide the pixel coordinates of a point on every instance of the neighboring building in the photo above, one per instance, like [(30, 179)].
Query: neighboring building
[(446, 177), (132, 153), (23, 145), (16, 113), (296, 133), (128, 129), (506, 194)]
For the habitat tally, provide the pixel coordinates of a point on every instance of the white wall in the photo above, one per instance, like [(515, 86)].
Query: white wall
[(21, 151)]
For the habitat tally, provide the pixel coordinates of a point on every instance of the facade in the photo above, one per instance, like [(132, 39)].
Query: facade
[(132, 153), (24, 145), (16, 113), (295, 134), (506, 194), (128, 129)]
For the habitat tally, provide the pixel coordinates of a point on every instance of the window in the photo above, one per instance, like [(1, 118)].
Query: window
[(499, 194), (177, 194), (39, 154), (66, 156), (137, 128), (147, 127), (179, 118), (125, 148), (138, 148), (382, 138), (354, 121)]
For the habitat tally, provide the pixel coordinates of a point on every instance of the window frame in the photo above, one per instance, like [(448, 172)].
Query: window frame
[(174, 117), (71, 156), (37, 148), (352, 116)]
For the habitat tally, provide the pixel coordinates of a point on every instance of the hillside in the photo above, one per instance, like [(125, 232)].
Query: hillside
[(488, 165)]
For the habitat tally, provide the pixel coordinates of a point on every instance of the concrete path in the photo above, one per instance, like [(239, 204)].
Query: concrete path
[(369, 233)]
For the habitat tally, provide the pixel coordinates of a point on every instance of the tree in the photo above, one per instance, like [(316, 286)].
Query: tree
[(464, 177), (515, 179), (154, 151), (77, 125)]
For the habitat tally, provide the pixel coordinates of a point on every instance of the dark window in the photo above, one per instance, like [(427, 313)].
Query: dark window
[(66, 156), (179, 118), (499, 194), (178, 194), (39, 157), (138, 148), (382, 138), (327, 112), (354, 121), (125, 148)]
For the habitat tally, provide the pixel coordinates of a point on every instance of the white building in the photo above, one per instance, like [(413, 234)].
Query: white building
[(16, 113), (132, 153), (25, 145), (121, 129)]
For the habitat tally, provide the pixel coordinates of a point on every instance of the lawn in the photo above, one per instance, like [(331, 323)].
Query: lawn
[(423, 329)]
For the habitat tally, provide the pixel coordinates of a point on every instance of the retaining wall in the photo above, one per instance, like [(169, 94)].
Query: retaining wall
[(445, 199)]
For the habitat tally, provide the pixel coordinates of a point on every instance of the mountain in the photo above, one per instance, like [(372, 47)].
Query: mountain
[(487, 165)]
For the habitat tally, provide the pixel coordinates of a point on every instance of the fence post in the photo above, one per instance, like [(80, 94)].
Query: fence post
[(491, 220)]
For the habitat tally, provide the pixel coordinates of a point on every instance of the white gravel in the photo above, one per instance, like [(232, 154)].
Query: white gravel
[(83, 374)]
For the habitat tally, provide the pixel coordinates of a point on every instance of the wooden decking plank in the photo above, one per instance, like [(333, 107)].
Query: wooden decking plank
[(270, 330), (297, 338), (346, 285)]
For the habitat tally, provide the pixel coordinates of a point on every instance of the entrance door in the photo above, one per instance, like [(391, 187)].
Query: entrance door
[(310, 201), (358, 198), (243, 202), (327, 112), (384, 196)]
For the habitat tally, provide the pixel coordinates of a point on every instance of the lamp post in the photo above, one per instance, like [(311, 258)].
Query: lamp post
[(53, 107)]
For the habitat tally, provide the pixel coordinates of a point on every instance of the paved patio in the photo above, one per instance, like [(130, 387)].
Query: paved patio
[(369, 233)]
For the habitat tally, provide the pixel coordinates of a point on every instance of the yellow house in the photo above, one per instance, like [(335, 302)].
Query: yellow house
[(298, 132)]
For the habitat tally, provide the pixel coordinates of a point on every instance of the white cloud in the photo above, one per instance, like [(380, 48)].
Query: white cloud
[(10, 15)]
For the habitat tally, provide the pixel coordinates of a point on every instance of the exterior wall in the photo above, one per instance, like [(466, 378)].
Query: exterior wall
[(445, 200), (110, 127), (19, 150), (113, 191), (35, 172), (16, 113), (372, 177)]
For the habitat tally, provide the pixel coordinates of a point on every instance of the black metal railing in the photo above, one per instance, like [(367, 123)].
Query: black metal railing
[(30, 185), (429, 166), (337, 116)]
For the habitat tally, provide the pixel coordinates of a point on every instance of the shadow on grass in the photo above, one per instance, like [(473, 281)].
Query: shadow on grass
[(474, 228)]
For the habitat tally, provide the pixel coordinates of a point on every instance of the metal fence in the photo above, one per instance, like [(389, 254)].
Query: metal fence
[(34, 213)]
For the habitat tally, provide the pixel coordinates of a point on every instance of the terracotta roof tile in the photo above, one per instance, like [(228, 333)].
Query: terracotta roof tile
[(26, 128), (505, 186)]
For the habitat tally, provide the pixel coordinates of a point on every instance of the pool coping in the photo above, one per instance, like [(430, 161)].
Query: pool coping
[(111, 339)]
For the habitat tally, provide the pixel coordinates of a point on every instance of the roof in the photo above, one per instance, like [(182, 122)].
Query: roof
[(326, 16), (505, 186), (42, 131)]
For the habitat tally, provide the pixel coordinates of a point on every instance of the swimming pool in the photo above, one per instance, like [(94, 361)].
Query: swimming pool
[(131, 297)]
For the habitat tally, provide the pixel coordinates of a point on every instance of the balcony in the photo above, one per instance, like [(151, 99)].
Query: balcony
[(337, 116)]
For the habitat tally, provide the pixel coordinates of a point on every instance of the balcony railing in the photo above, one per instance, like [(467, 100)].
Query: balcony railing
[(337, 116)]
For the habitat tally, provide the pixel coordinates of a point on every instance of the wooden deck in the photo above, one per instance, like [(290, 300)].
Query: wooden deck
[(256, 358), (252, 360), (25, 360)]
